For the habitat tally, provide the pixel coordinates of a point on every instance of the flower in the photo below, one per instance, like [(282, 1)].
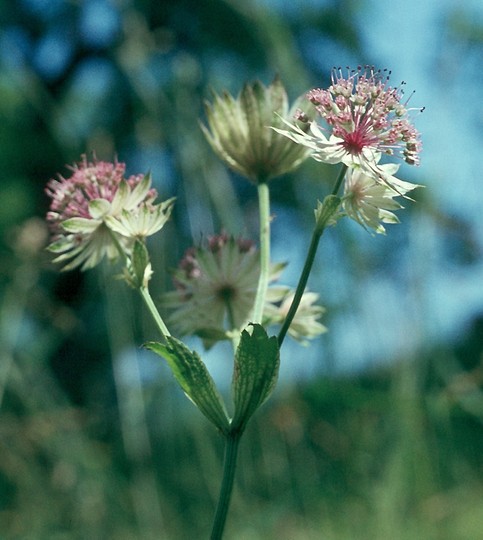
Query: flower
[(369, 202), (215, 293), (305, 324), (238, 131), (364, 117), (143, 221), (215, 288), (97, 213)]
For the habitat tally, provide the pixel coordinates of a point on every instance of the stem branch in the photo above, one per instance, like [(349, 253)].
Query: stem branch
[(144, 291), (309, 261)]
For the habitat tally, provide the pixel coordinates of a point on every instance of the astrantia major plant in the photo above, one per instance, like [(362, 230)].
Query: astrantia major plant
[(227, 286), (97, 212)]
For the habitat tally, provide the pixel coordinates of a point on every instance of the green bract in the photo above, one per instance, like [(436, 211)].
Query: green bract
[(195, 380), (326, 211), (239, 131)]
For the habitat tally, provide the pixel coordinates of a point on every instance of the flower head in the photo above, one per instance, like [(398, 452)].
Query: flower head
[(215, 287), (215, 292), (238, 131), (142, 221), (369, 202), (364, 117), (97, 213), (305, 324)]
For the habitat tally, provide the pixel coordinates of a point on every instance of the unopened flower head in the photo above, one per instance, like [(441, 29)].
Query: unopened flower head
[(97, 212), (370, 202), (238, 131), (364, 117), (215, 292)]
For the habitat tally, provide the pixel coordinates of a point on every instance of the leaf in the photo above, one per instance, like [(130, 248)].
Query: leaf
[(194, 378), (257, 362)]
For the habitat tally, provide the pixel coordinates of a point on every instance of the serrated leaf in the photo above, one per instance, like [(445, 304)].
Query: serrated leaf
[(255, 374), (194, 378)]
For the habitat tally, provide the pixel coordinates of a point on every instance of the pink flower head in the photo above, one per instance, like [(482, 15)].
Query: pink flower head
[(97, 212), (364, 112), (89, 181), (364, 116)]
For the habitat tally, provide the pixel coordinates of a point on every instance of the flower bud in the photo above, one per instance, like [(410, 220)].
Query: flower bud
[(239, 133)]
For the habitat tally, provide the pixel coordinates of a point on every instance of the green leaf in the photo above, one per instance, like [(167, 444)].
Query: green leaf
[(257, 362), (194, 378)]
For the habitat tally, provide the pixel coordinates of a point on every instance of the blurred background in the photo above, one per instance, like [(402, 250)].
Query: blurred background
[(375, 430)]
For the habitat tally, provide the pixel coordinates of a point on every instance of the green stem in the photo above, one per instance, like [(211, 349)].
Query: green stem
[(229, 466), (264, 210), (144, 292), (232, 439), (309, 261), (340, 179)]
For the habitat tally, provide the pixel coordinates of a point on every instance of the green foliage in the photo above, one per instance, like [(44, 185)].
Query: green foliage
[(255, 375), (195, 380)]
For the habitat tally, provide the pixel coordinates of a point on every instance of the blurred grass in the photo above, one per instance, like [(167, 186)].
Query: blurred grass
[(342, 458), (393, 453)]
